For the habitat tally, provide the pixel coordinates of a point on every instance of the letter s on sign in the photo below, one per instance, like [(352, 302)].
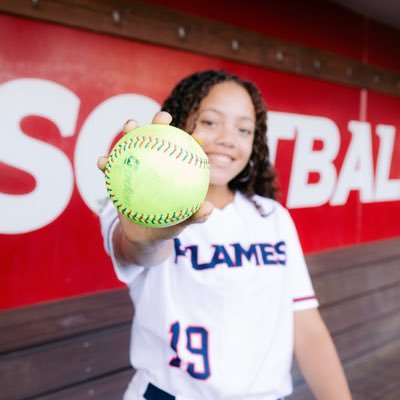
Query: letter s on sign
[(49, 166)]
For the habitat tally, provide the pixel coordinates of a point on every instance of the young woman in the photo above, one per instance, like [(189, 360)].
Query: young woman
[(222, 299)]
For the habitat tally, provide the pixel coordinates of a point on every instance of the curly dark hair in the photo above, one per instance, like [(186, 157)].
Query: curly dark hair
[(259, 176)]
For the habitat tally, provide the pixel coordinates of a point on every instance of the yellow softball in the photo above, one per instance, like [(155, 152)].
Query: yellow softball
[(157, 175)]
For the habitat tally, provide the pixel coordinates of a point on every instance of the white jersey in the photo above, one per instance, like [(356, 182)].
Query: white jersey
[(215, 320)]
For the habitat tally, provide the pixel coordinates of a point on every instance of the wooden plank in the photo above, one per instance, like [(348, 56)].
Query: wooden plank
[(358, 310), (392, 394), (373, 374), (358, 255), (104, 388), (345, 283), (362, 339), (165, 26), (49, 367), (368, 336), (27, 326)]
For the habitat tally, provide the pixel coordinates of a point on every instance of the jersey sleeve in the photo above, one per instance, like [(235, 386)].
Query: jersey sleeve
[(301, 287), (109, 221)]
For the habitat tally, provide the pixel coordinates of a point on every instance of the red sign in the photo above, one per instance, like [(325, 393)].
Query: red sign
[(64, 95)]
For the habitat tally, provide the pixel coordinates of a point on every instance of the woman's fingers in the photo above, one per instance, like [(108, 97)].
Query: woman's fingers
[(162, 117), (202, 214), (129, 125), (101, 163)]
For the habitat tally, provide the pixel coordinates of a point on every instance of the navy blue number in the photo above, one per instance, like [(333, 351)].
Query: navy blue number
[(176, 361), (202, 350), (197, 347)]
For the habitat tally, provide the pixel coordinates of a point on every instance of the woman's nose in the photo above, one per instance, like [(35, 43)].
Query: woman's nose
[(225, 136)]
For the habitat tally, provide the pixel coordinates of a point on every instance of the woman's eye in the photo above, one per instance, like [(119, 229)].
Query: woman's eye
[(208, 122), (245, 131)]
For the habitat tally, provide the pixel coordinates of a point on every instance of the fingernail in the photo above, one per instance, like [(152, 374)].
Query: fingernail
[(129, 120)]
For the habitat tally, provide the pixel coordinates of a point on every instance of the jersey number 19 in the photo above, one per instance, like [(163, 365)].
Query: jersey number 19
[(197, 344)]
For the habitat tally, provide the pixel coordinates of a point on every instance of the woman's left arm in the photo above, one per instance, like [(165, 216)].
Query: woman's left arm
[(317, 357)]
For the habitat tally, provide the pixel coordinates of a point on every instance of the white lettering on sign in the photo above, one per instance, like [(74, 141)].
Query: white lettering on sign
[(49, 166), (357, 171), (386, 189), (308, 129), (53, 172)]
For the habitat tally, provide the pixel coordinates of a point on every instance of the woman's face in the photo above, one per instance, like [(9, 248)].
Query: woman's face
[(225, 126)]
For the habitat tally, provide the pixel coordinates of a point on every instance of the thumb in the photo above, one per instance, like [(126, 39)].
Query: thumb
[(202, 214), (101, 163)]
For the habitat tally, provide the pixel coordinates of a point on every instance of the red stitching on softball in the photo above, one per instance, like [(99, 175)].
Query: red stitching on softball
[(146, 141)]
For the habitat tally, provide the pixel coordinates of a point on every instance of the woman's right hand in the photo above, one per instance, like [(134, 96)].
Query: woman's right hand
[(147, 237)]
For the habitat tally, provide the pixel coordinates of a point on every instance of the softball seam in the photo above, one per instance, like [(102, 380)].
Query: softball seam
[(159, 145)]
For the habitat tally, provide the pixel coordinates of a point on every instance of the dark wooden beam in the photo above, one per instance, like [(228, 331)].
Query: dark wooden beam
[(166, 27)]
